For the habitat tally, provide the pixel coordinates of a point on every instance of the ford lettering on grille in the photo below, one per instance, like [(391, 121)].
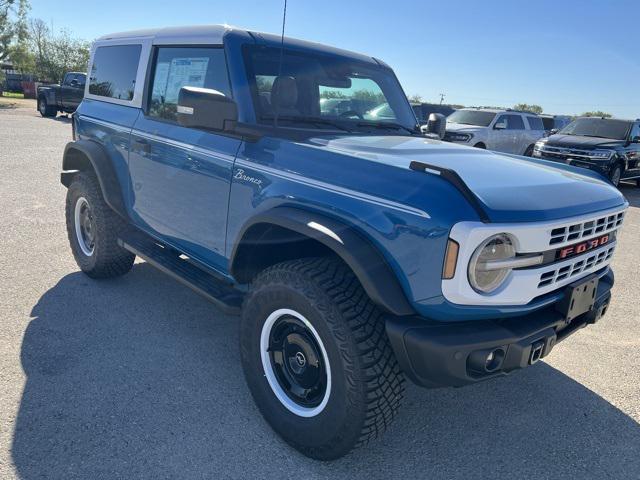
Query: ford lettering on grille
[(582, 247)]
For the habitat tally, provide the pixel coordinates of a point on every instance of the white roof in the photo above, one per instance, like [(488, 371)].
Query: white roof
[(197, 35)]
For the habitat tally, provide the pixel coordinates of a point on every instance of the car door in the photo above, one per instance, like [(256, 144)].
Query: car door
[(180, 176), (76, 92), (632, 153), (501, 136), (65, 89), (518, 133), (534, 133)]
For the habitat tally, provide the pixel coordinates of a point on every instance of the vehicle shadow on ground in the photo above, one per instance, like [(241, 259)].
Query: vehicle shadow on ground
[(62, 118), (631, 193), (140, 378)]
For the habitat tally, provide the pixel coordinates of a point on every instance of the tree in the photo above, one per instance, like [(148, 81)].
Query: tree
[(525, 107), (39, 38), (6, 31), (20, 53), (415, 98), (597, 113), (332, 94), (51, 56)]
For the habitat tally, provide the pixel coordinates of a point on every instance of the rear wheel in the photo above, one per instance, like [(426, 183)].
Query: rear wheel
[(45, 109), (317, 359), (615, 175), (93, 230)]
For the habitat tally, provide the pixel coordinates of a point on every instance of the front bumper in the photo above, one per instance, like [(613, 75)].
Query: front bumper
[(602, 167), (438, 354)]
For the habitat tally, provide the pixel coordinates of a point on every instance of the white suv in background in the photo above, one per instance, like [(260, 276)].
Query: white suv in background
[(508, 131)]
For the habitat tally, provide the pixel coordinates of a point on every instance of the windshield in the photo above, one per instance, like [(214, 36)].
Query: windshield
[(314, 90), (598, 127), (471, 117)]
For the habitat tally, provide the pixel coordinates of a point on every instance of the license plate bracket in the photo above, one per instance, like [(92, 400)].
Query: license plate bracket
[(579, 298)]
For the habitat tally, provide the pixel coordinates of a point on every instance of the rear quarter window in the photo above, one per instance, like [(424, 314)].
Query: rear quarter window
[(114, 70)]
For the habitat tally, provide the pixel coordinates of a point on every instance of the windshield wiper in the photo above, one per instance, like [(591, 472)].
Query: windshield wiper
[(387, 126), (596, 136), (308, 120)]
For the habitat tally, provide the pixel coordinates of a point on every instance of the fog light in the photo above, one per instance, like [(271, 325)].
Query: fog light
[(494, 360), (487, 361)]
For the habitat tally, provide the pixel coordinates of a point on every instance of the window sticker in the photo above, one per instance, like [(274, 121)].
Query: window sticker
[(182, 72)]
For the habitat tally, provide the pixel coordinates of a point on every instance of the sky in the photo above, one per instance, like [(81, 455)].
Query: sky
[(569, 56)]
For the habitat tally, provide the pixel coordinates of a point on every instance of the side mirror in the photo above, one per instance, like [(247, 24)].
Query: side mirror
[(436, 125), (74, 83), (635, 139), (553, 131), (500, 126), (207, 109)]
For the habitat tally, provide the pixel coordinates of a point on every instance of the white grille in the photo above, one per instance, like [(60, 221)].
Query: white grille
[(600, 225), (576, 268)]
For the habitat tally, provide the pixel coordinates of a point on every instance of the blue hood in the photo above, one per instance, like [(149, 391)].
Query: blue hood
[(510, 188)]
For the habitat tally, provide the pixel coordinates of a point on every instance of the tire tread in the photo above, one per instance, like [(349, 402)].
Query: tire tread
[(377, 366), (111, 259)]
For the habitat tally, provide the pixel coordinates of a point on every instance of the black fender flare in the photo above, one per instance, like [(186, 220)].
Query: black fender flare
[(74, 160), (365, 260), (49, 94)]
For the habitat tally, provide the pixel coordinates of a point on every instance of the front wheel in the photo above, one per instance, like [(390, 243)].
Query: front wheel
[(317, 359), (93, 230), (616, 175), (529, 151)]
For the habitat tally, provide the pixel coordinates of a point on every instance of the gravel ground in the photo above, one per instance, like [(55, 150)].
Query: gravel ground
[(140, 378)]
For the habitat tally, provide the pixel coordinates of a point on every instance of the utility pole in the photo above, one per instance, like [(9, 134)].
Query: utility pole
[(442, 95)]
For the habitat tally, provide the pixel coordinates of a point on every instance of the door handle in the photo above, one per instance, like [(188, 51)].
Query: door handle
[(141, 146), (192, 163)]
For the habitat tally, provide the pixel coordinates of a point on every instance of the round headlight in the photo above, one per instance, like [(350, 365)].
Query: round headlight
[(484, 277)]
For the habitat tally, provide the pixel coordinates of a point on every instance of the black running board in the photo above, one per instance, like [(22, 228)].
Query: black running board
[(223, 295)]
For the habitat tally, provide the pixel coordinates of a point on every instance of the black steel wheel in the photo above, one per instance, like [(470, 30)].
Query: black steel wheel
[(295, 362)]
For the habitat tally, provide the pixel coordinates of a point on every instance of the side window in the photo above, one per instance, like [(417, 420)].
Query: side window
[(514, 122), (67, 79), (114, 71), (177, 67), (535, 123), (635, 131)]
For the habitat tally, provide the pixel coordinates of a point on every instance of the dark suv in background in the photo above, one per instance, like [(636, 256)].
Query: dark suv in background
[(611, 147)]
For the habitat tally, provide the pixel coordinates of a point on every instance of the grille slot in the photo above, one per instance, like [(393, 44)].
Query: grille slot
[(580, 265), (577, 231)]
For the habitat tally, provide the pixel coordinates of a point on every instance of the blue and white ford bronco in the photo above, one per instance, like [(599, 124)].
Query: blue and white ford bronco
[(357, 251)]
